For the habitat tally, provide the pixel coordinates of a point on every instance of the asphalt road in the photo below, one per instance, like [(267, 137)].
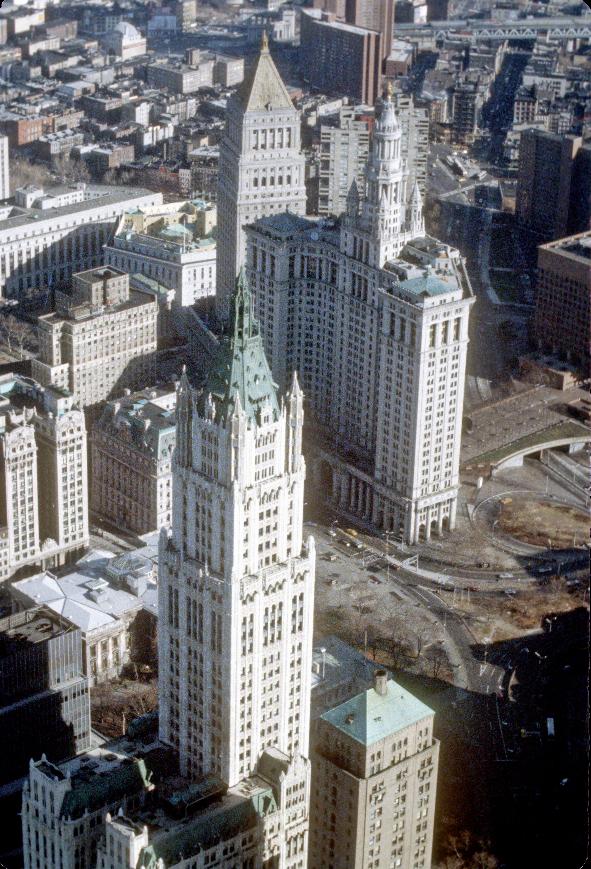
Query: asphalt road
[(469, 672)]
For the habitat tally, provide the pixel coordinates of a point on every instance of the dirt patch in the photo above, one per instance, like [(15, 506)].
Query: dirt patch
[(543, 523), (507, 617)]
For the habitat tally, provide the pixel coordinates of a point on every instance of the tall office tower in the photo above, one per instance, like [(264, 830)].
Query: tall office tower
[(553, 195), (374, 778), (343, 157), (236, 580), (4, 169), (43, 484), (374, 317), (43, 692), (261, 167)]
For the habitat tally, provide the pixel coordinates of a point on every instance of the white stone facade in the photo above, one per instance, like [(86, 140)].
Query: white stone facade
[(237, 580), (374, 317), (48, 236), (43, 478), (261, 168), (183, 261), (99, 341)]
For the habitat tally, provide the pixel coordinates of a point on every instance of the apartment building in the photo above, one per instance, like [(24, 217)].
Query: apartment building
[(344, 150), (100, 340), (131, 448), (340, 58), (374, 781), (43, 475)]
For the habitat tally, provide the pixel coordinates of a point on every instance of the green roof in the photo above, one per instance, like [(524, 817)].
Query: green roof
[(207, 830), (240, 372), (370, 717), (92, 791), (426, 286)]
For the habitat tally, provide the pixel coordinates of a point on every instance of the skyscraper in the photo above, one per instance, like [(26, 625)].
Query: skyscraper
[(235, 651), (236, 581), (374, 317), (261, 167)]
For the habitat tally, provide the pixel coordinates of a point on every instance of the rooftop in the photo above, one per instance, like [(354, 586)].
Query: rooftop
[(29, 627), (96, 593), (96, 196), (370, 717)]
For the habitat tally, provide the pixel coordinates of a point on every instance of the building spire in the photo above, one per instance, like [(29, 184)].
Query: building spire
[(264, 43)]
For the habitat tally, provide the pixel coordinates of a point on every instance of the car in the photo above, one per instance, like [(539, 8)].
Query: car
[(351, 531), (332, 533), (511, 592), (504, 576), (330, 556)]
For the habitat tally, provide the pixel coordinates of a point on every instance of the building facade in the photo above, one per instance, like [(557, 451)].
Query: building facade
[(4, 168), (553, 194), (131, 449), (374, 781), (261, 169), (172, 244), (100, 340), (343, 157), (339, 58), (43, 693), (563, 298), (46, 236), (43, 475), (374, 317)]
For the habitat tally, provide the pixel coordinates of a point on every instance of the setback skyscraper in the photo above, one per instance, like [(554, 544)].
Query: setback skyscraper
[(261, 167)]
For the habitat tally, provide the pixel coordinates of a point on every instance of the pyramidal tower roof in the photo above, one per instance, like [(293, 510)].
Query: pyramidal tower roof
[(263, 88), (240, 377)]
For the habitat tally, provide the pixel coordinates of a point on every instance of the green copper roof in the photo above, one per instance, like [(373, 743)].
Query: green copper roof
[(240, 371), (207, 830), (93, 791), (370, 717)]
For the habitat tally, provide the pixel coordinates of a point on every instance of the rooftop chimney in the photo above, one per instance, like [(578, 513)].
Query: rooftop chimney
[(380, 682)]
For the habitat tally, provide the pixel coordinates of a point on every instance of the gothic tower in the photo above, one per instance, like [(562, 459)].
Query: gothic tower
[(236, 578), (261, 167)]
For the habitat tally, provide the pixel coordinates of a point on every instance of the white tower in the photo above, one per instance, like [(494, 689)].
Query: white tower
[(236, 579), (4, 169), (261, 167)]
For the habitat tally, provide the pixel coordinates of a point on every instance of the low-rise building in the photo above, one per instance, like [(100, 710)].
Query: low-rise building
[(172, 244), (43, 475), (131, 460), (101, 339), (47, 235), (111, 601), (125, 41)]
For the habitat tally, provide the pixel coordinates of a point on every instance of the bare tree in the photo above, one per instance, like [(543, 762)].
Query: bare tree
[(20, 333), (23, 173), (70, 171)]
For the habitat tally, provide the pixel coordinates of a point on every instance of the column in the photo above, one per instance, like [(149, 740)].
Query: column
[(453, 506)]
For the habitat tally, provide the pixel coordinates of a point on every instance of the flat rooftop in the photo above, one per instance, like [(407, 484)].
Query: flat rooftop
[(29, 628), (97, 196)]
